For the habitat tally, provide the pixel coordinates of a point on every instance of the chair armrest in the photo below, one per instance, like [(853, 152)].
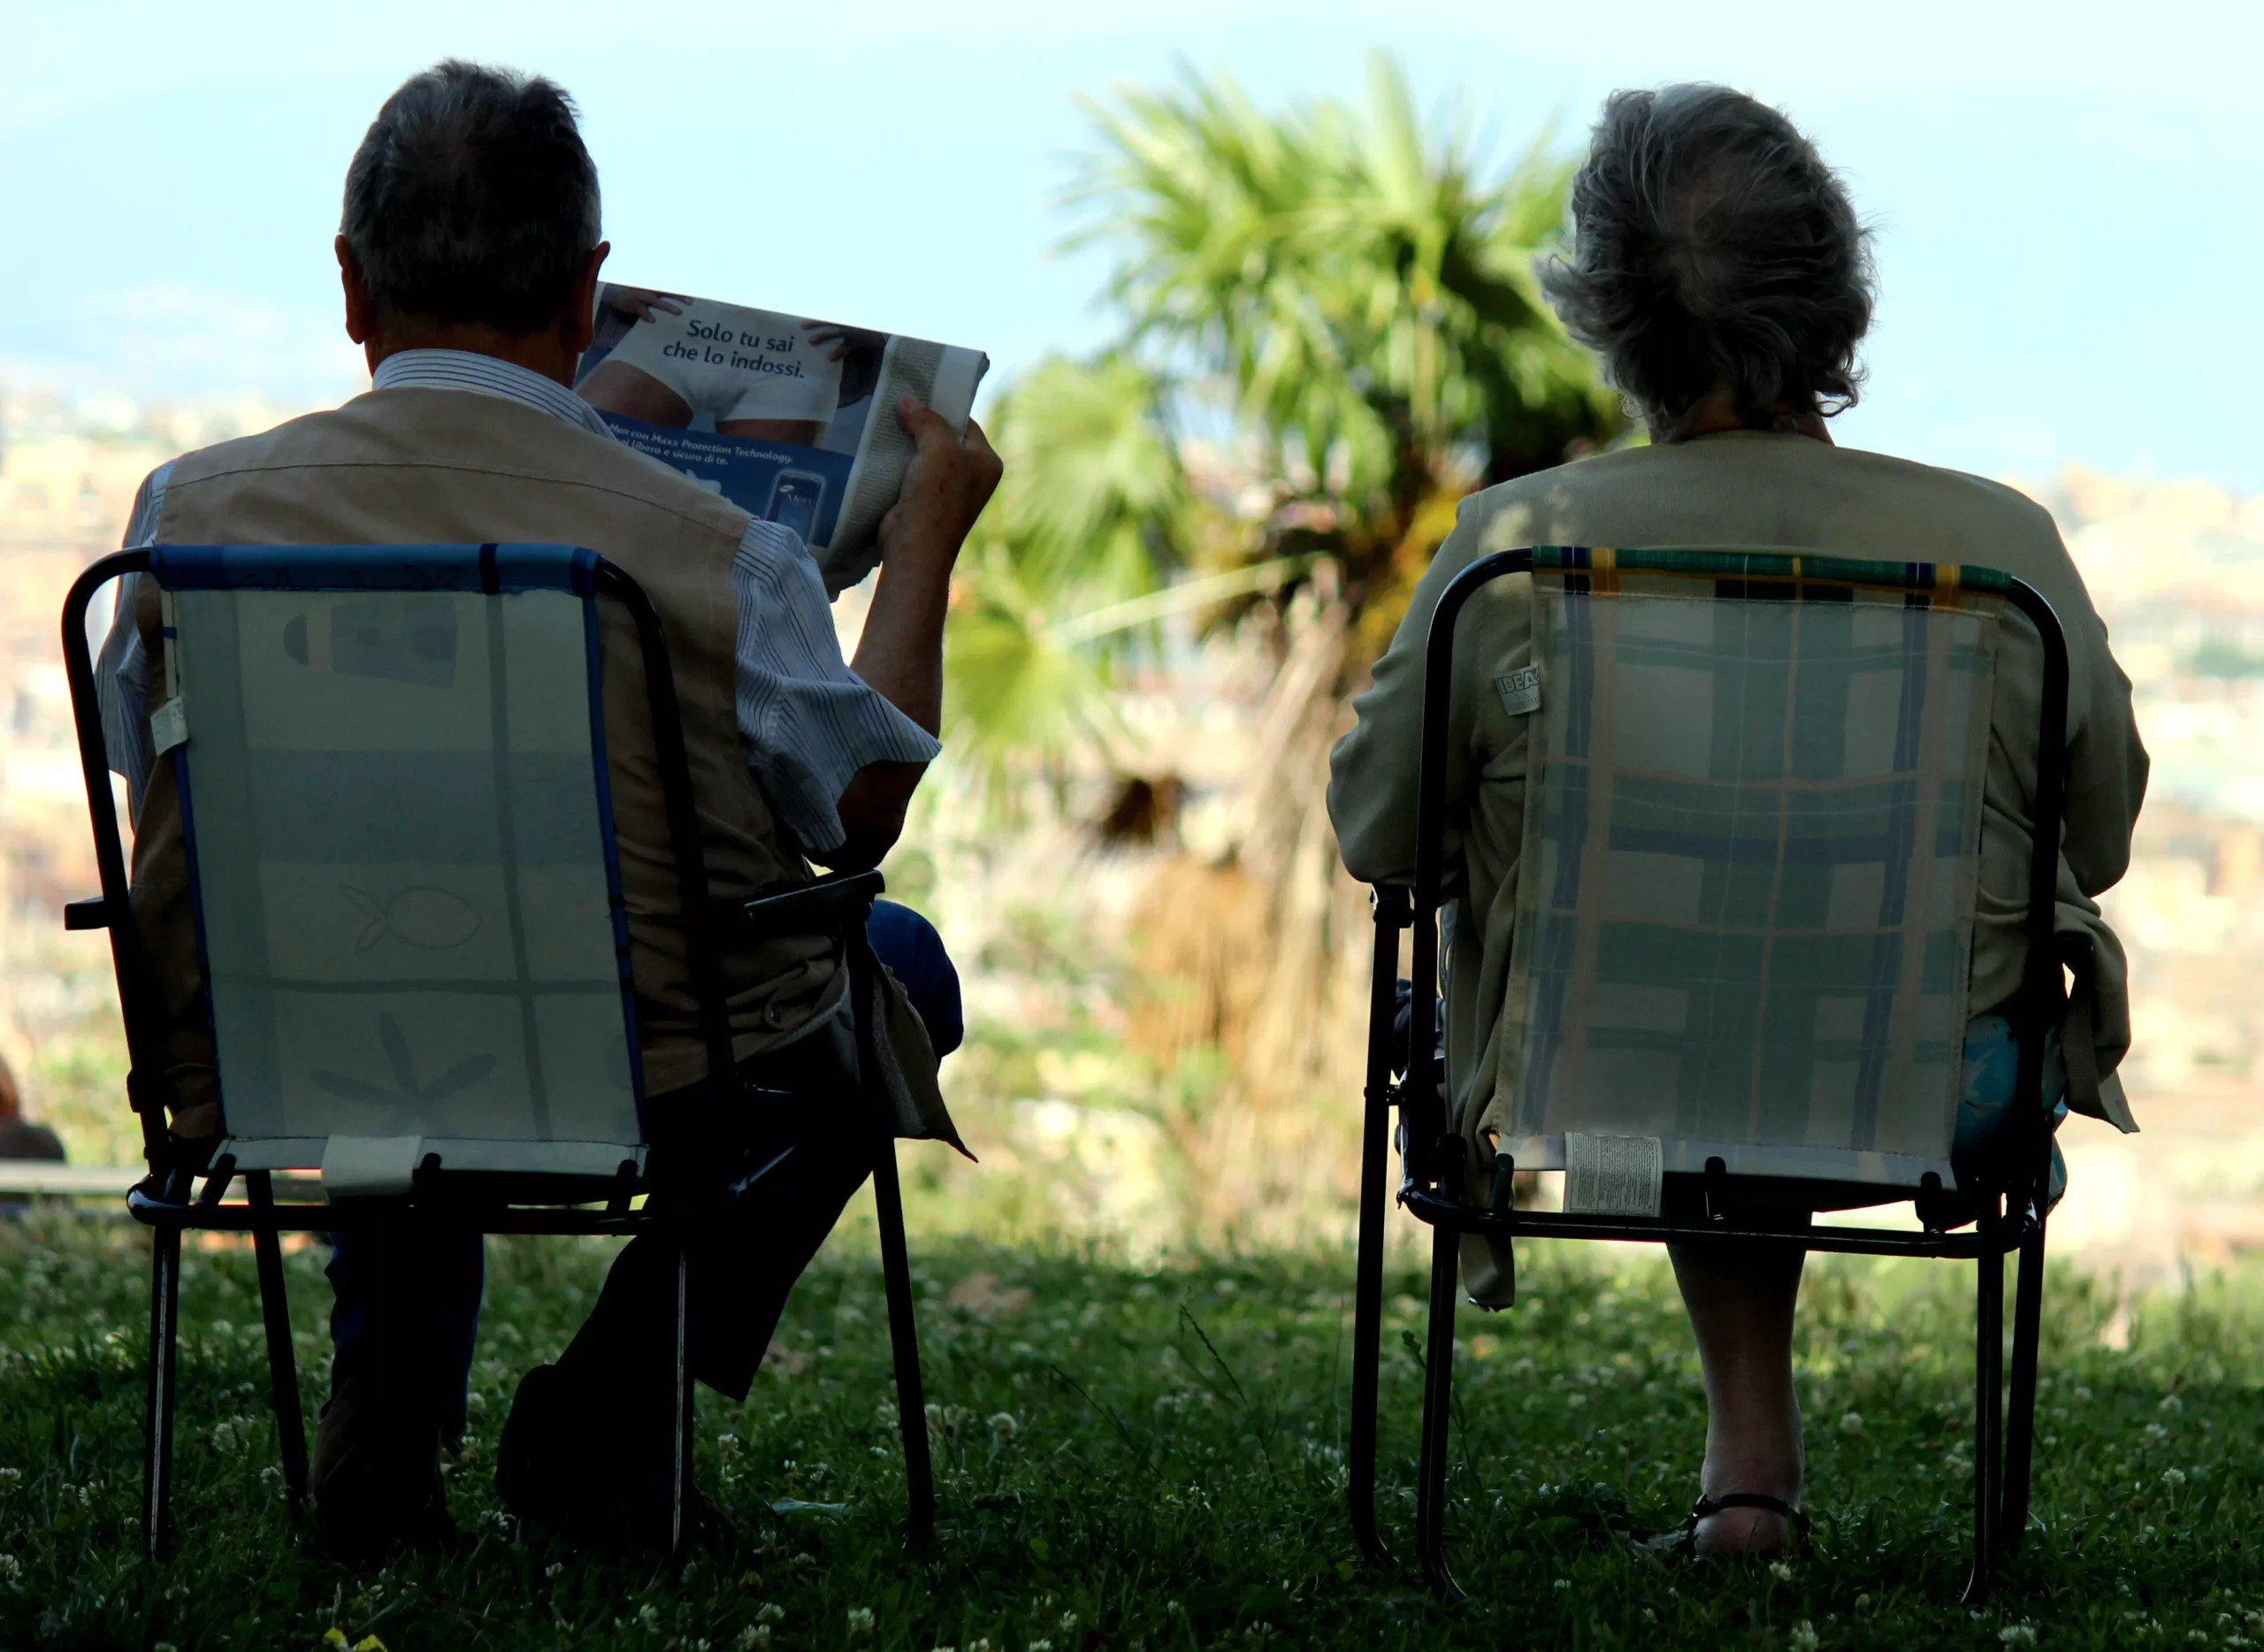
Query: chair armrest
[(831, 905), (93, 913)]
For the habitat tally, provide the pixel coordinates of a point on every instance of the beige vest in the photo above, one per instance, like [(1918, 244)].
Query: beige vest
[(446, 466)]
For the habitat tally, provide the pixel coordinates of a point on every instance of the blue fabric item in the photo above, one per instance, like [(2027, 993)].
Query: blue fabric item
[(371, 567), (1984, 1106), (408, 1304), (909, 945)]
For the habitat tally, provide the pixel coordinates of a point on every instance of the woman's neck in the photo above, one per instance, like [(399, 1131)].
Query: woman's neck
[(1718, 413)]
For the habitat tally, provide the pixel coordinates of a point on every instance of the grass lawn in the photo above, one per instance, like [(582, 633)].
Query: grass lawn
[(1137, 1458)]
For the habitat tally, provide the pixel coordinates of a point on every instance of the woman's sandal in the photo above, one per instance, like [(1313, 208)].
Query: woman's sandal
[(1683, 1543)]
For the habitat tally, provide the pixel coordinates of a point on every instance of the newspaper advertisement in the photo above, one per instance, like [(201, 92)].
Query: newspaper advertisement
[(791, 419)]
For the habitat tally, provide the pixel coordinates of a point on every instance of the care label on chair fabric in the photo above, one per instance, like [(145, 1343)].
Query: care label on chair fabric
[(1520, 691), (168, 727), (1612, 1175), (369, 1166)]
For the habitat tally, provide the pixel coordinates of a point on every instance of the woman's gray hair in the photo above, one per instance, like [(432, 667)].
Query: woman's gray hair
[(1713, 249), (472, 199)]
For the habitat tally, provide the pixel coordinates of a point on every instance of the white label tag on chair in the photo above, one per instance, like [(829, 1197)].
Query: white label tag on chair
[(1520, 691), (1612, 1175), (368, 1166), (168, 727)]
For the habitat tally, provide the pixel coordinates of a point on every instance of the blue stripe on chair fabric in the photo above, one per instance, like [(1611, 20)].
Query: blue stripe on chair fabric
[(373, 567)]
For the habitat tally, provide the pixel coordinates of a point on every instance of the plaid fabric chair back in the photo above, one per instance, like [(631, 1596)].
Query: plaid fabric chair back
[(1752, 835), (394, 789)]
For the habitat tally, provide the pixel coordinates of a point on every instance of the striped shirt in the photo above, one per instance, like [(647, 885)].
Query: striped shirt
[(808, 722)]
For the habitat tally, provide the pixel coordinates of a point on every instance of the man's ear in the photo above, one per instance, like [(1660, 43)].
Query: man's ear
[(580, 325), (359, 309)]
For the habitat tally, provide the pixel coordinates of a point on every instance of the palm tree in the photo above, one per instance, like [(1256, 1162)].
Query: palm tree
[(1357, 287)]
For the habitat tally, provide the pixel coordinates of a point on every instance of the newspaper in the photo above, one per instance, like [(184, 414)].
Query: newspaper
[(791, 419)]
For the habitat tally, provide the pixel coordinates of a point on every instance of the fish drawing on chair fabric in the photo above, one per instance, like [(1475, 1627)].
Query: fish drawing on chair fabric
[(422, 916)]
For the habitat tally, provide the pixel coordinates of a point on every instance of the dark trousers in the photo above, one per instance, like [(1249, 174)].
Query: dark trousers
[(406, 1314)]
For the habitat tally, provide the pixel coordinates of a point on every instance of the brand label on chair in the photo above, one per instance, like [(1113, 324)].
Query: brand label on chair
[(1612, 1175), (1520, 691), (369, 1166)]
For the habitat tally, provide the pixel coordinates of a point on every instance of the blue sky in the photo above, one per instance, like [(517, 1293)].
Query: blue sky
[(2066, 198)]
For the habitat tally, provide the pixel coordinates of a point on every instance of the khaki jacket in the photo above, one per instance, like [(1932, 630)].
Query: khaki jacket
[(407, 466), (1749, 491)]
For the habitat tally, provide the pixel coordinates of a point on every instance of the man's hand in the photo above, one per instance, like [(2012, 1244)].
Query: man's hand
[(945, 487)]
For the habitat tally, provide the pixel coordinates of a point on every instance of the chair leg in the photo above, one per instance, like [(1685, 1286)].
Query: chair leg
[(1988, 1404), (1367, 1330), (2020, 1422), (1438, 1399), (158, 1428), (282, 1367), (904, 1344), (680, 1463)]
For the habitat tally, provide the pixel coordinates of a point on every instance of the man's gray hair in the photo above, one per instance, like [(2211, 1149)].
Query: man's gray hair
[(1712, 248), (471, 199)]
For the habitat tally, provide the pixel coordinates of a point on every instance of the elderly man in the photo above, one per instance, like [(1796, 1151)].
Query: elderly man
[(1718, 269), (470, 253)]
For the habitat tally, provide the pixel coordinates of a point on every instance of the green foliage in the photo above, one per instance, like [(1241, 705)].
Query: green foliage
[(1086, 515), (1169, 1471), (1363, 282)]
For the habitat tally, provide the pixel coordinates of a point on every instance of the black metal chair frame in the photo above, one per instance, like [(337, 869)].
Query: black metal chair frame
[(169, 1201), (1432, 1184)]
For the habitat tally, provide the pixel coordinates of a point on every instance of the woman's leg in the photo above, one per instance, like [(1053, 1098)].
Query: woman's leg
[(1741, 1298)]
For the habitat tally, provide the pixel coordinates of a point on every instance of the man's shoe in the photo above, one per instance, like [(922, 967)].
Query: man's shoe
[(590, 1455), (376, 1480)]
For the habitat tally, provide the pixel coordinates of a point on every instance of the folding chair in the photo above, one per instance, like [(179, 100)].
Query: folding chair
[(1743, 932), (409, 913)]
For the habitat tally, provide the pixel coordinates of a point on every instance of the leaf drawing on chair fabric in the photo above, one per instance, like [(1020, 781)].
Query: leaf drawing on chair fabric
[(423, 916), (410, 1102)]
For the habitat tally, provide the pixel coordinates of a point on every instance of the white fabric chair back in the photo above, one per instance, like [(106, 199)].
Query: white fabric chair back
[(403, 872)]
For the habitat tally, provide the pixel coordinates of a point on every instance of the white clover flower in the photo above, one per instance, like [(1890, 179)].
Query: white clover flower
[(758, 1636), (1068, 1623), (771, 1613), (1862, 1602), (1851, 1423), (1040, 1646), (1803, 1637), (2172, 1404), (1780, 1571), (860, 1621), (2173, 1478), (554, 1569), (11, 1478), (2156, 1435), (649, 1615), (2017, 1636), (1562, 1583), (11, 1570), (980, 1643), (1003, 1426)]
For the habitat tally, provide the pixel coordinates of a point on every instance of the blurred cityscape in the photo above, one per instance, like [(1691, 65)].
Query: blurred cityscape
[(2176, 567)]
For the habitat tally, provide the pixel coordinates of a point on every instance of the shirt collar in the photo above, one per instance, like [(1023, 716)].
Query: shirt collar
[(487, 376)]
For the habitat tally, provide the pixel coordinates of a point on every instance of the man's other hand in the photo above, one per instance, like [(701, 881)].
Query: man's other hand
[(945, 487)]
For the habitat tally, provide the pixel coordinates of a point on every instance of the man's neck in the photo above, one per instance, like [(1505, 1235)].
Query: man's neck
[(544, 352)]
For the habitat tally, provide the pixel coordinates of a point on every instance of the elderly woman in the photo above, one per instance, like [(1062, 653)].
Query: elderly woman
[(1718, 269)]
